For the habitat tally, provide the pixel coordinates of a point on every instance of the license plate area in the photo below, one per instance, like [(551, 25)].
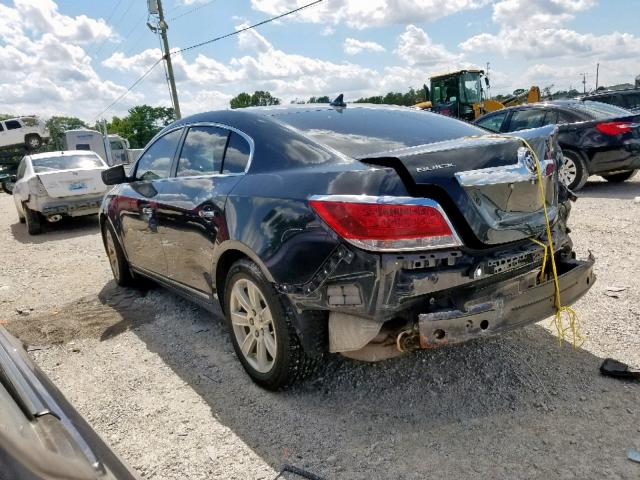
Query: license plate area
[(77, 186)]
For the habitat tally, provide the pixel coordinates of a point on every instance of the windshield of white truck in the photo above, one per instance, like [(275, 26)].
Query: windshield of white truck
[(66, 162)]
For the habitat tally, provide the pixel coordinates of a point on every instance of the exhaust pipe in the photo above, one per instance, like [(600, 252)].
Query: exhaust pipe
[(54, 218)]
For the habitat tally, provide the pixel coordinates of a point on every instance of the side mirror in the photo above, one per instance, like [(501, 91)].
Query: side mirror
[(114, 175)]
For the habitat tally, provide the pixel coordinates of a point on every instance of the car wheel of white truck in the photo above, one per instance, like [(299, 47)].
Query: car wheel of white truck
[(33, 142)]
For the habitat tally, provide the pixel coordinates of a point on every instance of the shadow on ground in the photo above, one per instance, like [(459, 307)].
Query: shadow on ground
[(109, 314), (518, 402), (596, 188), (68, 227)]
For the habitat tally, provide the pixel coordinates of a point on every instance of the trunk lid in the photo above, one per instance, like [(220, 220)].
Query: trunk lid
[(487, 185), (71, 183)]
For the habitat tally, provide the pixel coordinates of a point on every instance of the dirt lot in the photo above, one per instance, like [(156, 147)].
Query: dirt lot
[(157, 377)]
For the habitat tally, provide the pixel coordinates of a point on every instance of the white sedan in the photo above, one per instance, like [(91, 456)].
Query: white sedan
[(56, 184)]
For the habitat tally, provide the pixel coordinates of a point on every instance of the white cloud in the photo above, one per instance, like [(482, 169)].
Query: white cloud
[(44, 69), (538, 12), (415, 47), (354, 46), (368, 13), (42, 16)]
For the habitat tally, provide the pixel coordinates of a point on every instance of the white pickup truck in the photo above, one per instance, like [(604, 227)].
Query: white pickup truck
[(52, 185), (29, 131)]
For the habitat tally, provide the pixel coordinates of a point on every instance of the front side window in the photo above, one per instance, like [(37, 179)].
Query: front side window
[(493, 123), (156, 161), (524, 119), (12, 124), (202, 152), (236, 157), (470, 87)]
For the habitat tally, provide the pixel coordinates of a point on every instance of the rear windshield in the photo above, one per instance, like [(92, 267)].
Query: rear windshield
[(66, 162), (359, 132), (599, 110)]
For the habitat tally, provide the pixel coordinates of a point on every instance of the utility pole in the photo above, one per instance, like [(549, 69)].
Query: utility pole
[(597, 74), (488, 82), (155, 6)]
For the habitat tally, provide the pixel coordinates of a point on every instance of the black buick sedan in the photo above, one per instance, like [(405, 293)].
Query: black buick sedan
[(596, 138), (363, 230)]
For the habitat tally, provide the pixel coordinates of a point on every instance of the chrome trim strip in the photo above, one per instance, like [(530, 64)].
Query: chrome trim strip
[(392, 200), (171, 282)]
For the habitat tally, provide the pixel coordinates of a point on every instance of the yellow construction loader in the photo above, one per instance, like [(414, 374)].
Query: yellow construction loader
[(461, 94)]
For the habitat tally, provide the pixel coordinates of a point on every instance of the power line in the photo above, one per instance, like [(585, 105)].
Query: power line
[(128, 34), (116, 23), (246, 28), (133, 85), (113, 10), (199, 7), (146, 74)]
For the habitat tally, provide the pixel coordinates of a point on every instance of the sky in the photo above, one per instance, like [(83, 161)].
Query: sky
[(75, 57)]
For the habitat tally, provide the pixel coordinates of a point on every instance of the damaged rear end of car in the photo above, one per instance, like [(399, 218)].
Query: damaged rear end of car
[(459, 255)]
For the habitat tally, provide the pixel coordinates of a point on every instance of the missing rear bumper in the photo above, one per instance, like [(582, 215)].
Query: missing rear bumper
[(505, 306)]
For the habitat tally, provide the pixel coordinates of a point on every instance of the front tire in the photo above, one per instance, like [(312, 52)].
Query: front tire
[(619, 177), (261, 329), (33, 220), (118, 262), (573, 172)]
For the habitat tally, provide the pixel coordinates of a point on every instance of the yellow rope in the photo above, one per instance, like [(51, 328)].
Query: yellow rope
[(572, 317)]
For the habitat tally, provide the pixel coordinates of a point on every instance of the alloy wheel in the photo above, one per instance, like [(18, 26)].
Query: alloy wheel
[(113, 256), (253, 325), (568, 172)]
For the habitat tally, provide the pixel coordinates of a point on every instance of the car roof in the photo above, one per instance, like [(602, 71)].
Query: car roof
[(62, 153), (611, 92)]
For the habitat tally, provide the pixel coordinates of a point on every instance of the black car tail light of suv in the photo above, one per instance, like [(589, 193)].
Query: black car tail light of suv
[(616, 128), (386, 224)]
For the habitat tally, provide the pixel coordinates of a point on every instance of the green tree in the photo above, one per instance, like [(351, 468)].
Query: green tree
[(323, 99), (4, 116), (57, 126), (259, 98), (141, 124)]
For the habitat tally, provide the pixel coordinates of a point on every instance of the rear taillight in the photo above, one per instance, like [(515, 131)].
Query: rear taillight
[(386, 223), (614, 128)]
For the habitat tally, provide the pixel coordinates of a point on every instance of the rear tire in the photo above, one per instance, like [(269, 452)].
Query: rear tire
[(573, 172), (261, 327), (33, 220), (619, 177), (33, 142), (118, 262)]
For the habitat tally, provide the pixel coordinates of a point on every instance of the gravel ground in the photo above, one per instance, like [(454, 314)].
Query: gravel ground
[(158, 379)]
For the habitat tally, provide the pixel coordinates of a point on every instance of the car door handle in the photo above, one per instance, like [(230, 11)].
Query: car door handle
[(208, 213), (147, 210)]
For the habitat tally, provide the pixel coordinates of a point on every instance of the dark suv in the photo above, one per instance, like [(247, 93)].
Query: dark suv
[(629, 99)]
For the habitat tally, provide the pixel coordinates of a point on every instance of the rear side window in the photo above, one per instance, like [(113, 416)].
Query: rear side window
[(12, 124), (236, 157), (156, 161), (492, 123), (524, 119), (632, 100), (202, 151)]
